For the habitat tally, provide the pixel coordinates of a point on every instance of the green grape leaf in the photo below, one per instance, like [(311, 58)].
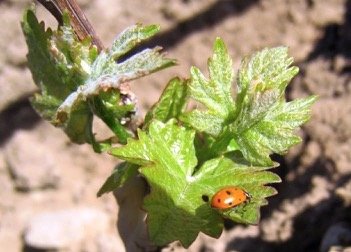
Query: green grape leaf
[(265, 123), (258, 121), (107, 76), (131, 37), (171, 103), (58, 64), (176, 207), (121, 174), (214, 93), (76, 81)]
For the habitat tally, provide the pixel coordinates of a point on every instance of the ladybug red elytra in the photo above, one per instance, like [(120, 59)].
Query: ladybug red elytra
[(229, 197)]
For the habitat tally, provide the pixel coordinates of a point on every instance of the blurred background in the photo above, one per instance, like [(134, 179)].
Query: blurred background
[(45, 181)]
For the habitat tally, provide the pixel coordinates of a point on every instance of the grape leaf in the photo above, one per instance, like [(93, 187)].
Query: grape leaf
[(175, 206), (58, 72), (265, 123), (107, 76), (259, 121), (171, 103), (214, 93), (131, 37), (76, 82)]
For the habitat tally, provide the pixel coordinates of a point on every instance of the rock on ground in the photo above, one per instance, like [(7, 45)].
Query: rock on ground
[(30, 162), (66, 229)]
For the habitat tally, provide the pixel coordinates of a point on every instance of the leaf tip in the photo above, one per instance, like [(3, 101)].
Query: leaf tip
[(312, 99), (219, 41)]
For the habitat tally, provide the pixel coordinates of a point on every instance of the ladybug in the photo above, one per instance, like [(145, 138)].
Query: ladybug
[(229, 197)]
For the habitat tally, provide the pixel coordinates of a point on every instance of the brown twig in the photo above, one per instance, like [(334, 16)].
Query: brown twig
[(79, 22)]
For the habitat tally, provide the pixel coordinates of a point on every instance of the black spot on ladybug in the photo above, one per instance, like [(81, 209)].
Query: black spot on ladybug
[(205, 198), (219, 200), (230, 203), (228, 192)]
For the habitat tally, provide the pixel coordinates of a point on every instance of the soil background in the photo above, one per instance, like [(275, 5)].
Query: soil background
[(47, 181)]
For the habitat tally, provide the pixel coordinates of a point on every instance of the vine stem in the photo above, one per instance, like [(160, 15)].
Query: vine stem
[(79, 22)]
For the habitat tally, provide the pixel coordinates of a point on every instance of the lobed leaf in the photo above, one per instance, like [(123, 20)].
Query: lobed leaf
[(214, 93), (76, 82), (55, 62), (259, 122), (175, 206), (260, 127)]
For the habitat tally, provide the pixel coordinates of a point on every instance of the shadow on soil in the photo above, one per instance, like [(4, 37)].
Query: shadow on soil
[(210, 17), (308, 230), (19, 115), (336, 39)]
